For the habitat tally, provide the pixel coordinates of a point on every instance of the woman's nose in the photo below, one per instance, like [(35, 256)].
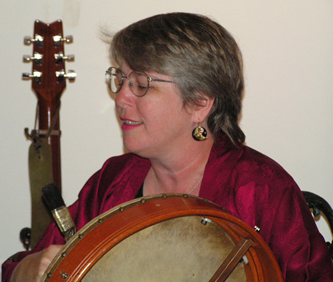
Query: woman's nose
[(125, 95)]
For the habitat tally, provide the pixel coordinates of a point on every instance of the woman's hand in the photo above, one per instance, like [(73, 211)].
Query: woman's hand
[(32, 267)]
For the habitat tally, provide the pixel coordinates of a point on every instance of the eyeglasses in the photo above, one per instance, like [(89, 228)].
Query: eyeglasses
[(138, 81)]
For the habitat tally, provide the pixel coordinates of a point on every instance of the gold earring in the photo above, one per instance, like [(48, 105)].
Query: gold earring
[(199, 133)]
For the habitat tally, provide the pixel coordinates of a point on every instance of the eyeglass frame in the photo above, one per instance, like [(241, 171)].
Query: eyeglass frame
[(123, 77)]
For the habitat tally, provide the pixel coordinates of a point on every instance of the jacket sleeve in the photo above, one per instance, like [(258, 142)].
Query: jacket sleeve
[(52, 236), (94, 199), (296, 242)]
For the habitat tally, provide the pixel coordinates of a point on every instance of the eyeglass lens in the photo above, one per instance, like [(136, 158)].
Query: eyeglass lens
[(137, 81)]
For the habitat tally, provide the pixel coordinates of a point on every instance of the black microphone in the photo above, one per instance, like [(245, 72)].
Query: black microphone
[(60, 213)]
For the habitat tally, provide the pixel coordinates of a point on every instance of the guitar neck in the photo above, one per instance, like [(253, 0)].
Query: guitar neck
[(48, 81), (49, 125)]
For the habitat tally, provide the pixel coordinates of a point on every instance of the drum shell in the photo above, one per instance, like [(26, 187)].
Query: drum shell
[(99, 236)]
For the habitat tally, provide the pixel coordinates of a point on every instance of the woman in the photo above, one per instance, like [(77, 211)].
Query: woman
[(178, 82)]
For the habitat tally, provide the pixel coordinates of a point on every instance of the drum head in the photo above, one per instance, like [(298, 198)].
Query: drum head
[(179, 249), (165, 238)]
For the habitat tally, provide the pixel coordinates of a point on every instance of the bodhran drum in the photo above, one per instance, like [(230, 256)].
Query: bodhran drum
[(161, 238)]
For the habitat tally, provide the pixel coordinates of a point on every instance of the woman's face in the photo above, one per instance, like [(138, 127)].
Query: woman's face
[(156, 124)]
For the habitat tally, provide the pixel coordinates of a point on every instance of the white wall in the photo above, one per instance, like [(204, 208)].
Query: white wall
[(288, 53)]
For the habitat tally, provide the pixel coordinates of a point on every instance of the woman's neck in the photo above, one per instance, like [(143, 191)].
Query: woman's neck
[(182, 173)]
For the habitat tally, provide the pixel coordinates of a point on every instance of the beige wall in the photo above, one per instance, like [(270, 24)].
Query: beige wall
[(288, 53)]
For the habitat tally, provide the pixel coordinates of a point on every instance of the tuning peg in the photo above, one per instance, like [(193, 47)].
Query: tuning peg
[(71, 75), (60, 56), (68, 39), (58, 39), (35, 75), (28, 40), (38, 57)]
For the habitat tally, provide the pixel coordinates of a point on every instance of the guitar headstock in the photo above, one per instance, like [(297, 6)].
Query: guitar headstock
[(48, 60)]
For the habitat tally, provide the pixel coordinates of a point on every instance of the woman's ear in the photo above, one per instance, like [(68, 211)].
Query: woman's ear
[(202, 108)]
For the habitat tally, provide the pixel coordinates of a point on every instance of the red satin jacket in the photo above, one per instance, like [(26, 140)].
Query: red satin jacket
[(247, 183)]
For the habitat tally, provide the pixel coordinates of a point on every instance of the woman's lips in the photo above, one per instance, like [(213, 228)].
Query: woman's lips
[(130, 124)]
